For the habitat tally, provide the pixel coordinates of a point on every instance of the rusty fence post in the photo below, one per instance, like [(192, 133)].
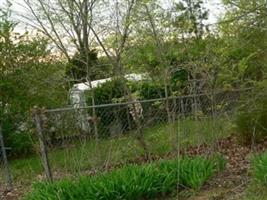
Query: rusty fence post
[(7, 172), (37, 117)]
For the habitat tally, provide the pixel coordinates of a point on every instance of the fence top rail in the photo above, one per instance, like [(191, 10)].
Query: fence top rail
[(72, 108)]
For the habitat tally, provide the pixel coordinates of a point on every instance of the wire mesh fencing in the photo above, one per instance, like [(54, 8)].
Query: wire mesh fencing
[(84, 140)]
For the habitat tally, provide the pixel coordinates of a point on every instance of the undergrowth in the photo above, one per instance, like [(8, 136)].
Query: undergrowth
[(252, 116), (133, 182), (259, 168), (256, 189)]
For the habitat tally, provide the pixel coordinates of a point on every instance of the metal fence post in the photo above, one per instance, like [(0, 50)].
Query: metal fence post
[(43, 146), (5, 162)]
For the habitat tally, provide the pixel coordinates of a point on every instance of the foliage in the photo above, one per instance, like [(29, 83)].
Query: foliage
[(150, 90), (107, 92), (245, 60), (23, 90), (78, 70), (173, 45), (191, 17), (110, 92), (114, 92), (160, 139), (132, 182), (252, 116), (256, 188), (245, 52), (28, 78), (259, 168)]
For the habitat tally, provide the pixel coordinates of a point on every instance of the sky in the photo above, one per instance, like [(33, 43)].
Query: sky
[(214, 6), (216, 10)]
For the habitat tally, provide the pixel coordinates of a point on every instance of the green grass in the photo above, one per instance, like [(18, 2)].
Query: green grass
[(259, 168), (76, 158), (257, 189), (133, 182)]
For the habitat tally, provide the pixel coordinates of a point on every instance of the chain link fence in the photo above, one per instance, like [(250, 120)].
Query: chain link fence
[(5, 173), (84, 140)]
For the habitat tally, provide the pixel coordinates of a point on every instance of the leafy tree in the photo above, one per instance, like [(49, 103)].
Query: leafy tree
[(77, 69), (28, 77), (244, 31), (189, 18)]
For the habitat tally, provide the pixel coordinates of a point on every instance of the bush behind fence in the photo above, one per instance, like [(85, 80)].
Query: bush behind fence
[(117, 119)]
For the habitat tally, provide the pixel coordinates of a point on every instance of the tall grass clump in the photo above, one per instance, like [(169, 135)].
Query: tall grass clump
[(259, 168), (133, 182), (256, 189)]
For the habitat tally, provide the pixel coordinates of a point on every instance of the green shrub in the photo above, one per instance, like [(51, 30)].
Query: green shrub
[(20, 141), (132, 182), (252, 116), (108, 93), (256, 189), (259, 168), (151, 90), (115, 89), (114, 92), (17, 101)]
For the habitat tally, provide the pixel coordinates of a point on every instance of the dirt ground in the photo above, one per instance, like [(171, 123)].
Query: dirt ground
[(233, 181)]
